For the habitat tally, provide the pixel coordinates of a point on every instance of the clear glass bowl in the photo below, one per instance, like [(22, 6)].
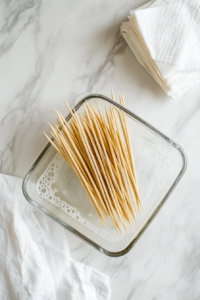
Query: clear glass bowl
[(53, 187)]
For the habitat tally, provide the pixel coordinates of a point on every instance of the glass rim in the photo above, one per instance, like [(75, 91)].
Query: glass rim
[(74, 231)]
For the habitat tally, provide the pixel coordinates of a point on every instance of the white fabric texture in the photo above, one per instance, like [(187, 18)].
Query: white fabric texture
[(35, 261), (171, 32)]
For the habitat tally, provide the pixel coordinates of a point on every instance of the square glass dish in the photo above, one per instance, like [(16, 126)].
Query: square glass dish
[(53, 187)]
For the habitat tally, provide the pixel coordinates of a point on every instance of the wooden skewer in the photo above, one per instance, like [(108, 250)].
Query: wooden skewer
[(99, 154), (122, 162), (128, 140), (112, 94), (91, 120), (84, 167), (102, 155), (69, 155), (128, 143), (111, 147), (94, 166), (110, 190), (105, 157), (129, 146), (125, 165), (121, 190)]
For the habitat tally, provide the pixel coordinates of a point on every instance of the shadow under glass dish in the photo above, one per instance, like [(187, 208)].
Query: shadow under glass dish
[(52, 186)]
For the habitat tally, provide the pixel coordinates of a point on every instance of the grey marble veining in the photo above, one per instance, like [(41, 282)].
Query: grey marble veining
[(51, 49)]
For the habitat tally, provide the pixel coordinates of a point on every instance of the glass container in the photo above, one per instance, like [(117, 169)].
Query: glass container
[(53, 187)]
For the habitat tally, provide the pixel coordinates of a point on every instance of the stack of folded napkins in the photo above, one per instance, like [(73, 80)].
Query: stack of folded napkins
[(164, 36)]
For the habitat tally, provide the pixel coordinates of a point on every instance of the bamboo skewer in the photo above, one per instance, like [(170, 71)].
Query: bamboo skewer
[(129, 146), (106, 167), (101, 159), (99, 150)]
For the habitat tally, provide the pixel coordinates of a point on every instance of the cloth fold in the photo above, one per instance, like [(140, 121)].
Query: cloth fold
[(35, 260)]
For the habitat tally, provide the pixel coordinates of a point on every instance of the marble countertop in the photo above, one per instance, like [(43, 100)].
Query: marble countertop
[(51, 49)]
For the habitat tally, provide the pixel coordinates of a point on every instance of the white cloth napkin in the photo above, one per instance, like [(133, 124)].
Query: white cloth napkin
[(170, 32), (35, 261)]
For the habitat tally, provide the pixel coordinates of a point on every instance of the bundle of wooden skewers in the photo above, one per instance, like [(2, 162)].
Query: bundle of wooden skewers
[(98, 148)]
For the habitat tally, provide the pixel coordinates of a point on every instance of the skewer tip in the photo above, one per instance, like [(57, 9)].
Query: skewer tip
[(112, 94)]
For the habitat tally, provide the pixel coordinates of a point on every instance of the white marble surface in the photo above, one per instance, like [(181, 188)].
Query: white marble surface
[(50, 49)]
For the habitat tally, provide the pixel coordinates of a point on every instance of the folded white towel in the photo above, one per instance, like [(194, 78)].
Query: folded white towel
[(164, 36), (35, 262)]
